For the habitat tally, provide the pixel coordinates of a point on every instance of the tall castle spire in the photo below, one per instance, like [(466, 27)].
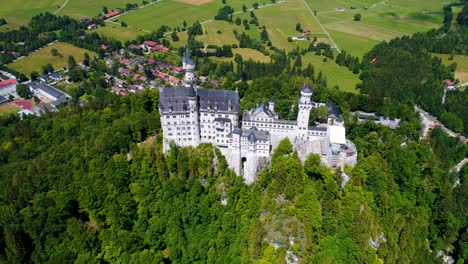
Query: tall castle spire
[(189, 66)]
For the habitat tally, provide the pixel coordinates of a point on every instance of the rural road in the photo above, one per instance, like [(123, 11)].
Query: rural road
[(428, 120), (56, 11), (320, 24)]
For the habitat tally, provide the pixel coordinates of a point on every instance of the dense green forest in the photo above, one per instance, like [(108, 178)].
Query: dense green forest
[(77, 187)]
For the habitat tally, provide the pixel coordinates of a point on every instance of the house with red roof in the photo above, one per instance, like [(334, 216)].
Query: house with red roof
[(7, 87), (112, 13), (174, 80), (152, 61), (92, 26), (449, 84), (306, 31), (150, 44), (162, 76), (179, 69)]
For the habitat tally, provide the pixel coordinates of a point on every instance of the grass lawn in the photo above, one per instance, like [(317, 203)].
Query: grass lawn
[(36, 60), (211, 36), (382, 20), (91, 8), (18, 12), (173, 13), (357, 45), (461, 72), (9, 108), (336, 75), (280, 21), (118, 32), (246, 55)]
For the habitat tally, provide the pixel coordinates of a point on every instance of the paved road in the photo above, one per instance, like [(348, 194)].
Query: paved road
[(428, 119)]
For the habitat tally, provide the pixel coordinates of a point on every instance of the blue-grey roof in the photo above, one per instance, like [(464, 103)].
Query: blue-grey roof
[(175, 99), (49, 89), (315, 128), (3, 99), (187, 57), (253, 134), (56, 75), (306, 88), (263, 107), (223, 100)]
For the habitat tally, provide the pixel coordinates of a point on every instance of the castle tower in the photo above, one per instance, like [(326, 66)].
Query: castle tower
[(189, 66), (194, 116), (305, 105)]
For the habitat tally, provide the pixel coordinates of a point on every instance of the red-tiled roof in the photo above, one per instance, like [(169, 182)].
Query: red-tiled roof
[(150, 43), (8, 82), (112, 13), (162, 75), (179, 69), (449, 82)]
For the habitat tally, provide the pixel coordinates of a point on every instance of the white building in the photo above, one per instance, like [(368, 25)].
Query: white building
[(190, 116), (7, 87)]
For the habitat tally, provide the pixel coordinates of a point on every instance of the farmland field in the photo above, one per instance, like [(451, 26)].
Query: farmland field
[(336, 75), (246, 55), (39, 58), (119, 33), (461, 72), (381, 20), (18, 12), (91, 8), (172, 13)]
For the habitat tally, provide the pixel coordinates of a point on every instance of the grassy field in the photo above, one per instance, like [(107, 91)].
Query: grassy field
[(336, 75), (172, 13), (119, 33), (18, 12), (461, 73), (246, 55), (91, 8), (36, 60), (381, 20)]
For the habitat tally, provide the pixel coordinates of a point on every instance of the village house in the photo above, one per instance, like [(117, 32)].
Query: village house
[(92, 26), (449, 84), (111, 14)]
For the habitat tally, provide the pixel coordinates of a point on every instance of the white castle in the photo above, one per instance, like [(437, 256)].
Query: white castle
[(191, 116)]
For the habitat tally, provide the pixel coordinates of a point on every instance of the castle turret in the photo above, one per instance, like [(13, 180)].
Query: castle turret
[(305, 105), (271, 105), (189, 66), (194, 115)]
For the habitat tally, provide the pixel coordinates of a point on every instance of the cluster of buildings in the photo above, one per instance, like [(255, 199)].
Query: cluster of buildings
[(132, 77), (192, 115)]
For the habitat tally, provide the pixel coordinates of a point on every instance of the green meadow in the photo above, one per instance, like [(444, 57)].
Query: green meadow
[(461, 72), (18, 12), (381, 20), (118, 32), (336, 75), (90, 8), (173, 13), (39, 58)]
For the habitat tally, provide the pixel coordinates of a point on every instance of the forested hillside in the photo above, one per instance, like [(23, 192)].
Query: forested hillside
[(76, 187)]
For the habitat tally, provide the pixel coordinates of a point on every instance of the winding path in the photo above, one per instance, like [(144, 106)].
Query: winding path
[(56, 11), (323, 28)]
